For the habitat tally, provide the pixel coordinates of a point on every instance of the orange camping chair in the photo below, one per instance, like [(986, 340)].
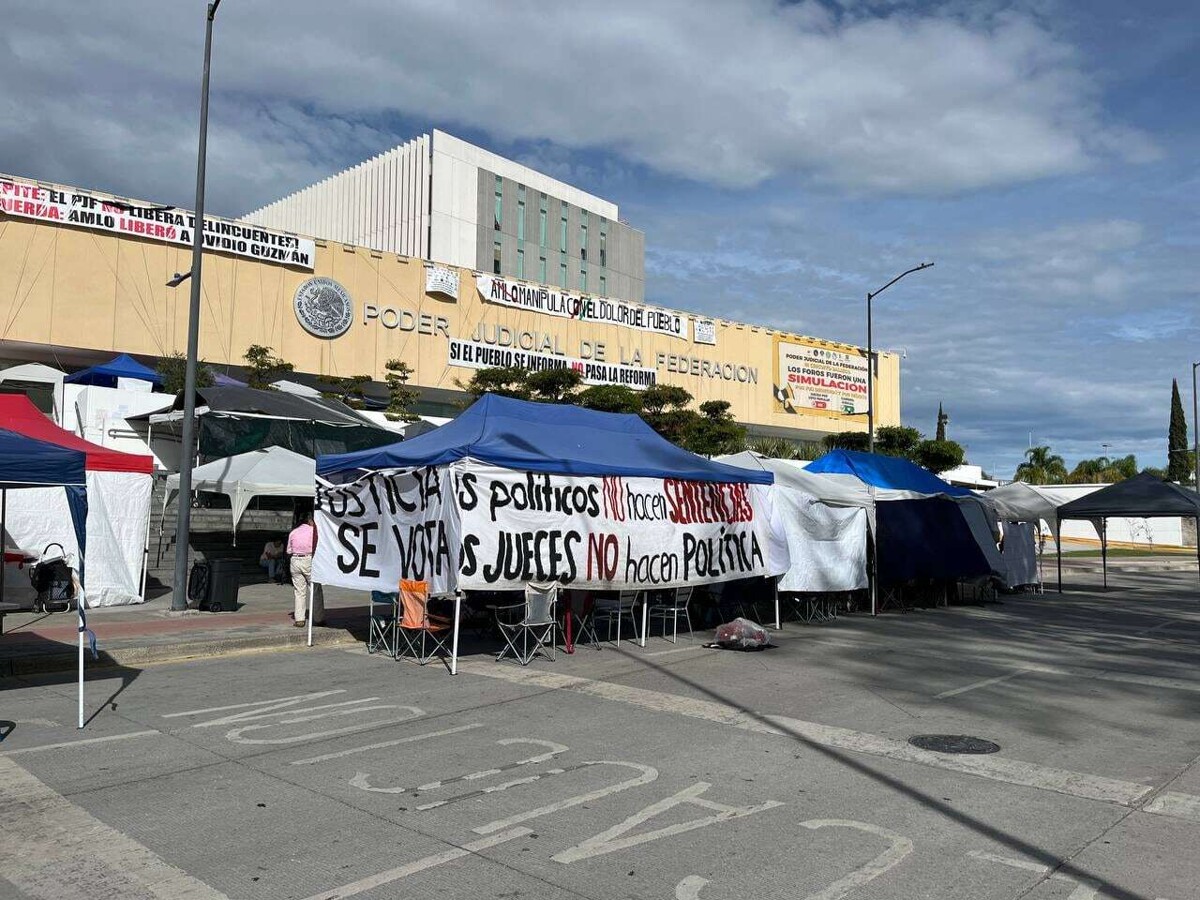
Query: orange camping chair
[(424, 634)]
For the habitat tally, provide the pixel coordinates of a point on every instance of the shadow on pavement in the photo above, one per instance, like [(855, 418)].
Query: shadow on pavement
[(1056, 866)]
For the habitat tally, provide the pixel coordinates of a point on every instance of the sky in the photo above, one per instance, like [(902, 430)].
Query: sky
[(782, 158)]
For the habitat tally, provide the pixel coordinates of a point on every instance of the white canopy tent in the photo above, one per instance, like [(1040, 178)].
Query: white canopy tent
[(36, 373), (1020, 502), (270, 472), (827, 539)]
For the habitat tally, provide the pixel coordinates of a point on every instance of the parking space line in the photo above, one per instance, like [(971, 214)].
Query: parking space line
[(420, 865), (1009, 771), (97, 740), (980, 684), (1176, 805), (412, 738)]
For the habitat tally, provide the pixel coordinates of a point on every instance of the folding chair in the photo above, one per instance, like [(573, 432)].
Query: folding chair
[(536, 625), (610, 612), (381, 634), (415, 619), (672, 610)]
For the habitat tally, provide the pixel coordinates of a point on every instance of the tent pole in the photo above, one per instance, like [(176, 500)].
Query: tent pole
[(3, 538), (1104, 549), (310, 608), (778, 623), (146, 545), (1058, 547), (82, 629), (1196, 519), (454, 643)]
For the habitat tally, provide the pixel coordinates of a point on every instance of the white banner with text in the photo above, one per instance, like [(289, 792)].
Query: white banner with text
[(565, 305), (479, 527), (167, 224), (477, 355)]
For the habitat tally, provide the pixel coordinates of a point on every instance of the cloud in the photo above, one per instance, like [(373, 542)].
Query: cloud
[(872, 98)]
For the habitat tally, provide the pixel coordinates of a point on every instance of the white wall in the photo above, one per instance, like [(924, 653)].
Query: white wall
[(97, 414), (1129, 530)]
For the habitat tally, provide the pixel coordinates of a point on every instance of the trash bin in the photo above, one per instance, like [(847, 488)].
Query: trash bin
[(198, 579), (224, 576)]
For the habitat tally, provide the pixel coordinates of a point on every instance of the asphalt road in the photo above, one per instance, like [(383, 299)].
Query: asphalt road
[(673, 771)]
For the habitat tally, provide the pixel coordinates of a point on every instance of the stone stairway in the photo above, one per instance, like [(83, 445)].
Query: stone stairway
[(212, 533)]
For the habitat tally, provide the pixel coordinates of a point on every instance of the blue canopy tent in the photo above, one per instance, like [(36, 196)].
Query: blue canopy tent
[(890, 472), (106, 374), (542, 437), (26, 462), (921, 531)]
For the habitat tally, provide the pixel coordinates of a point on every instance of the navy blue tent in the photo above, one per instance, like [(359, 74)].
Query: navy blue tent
[(884, 472), (928, 538), (106, 374), (542, 437), (28, 462)]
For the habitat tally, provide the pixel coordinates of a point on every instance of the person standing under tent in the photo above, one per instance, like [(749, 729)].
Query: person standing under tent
[(301, 543)]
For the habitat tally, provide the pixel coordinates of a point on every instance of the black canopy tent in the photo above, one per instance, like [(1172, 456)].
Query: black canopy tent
[(1143, 496)]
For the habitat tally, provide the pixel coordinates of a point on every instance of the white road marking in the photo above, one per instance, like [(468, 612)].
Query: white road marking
[(648, 774), (47, 723), (1175, 805), (361, 780), (690, 887), (52, 848), (869, 871), (1084, 889), (420, 865), (412, 738), (613, 839), (213, 709), (236, 734), (980, 684), (97, 740), (675, 650), (1010, 771)]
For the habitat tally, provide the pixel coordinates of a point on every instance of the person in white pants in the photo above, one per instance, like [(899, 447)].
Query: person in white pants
[(302, 541)]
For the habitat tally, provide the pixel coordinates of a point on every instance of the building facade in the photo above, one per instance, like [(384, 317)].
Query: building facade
[(83, 276), (442, 199)]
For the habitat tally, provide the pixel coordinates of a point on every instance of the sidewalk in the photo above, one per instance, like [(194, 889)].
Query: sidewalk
[(149, 632)]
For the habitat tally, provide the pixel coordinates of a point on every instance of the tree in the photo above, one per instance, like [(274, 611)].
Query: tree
[(400, 395), (939, 455), (898, 440), (554, 385), (173, 369), (665, 409), (846, 440), (506, 381), (613, 398), (715, 431), (1103, 470), (942, 421), (349, 390), (1042, 467), (263, 368), (1177, 440)]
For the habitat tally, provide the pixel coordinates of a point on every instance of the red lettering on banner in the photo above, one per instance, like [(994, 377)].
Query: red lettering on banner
[(701, 501)]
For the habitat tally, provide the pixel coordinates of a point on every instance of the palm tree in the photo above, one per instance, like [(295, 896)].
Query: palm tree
[(1042, 467)]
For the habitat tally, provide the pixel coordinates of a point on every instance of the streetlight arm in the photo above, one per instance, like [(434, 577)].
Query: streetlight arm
[(927, 265)]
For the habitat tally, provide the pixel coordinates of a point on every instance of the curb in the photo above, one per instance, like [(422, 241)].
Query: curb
[(134, 657)]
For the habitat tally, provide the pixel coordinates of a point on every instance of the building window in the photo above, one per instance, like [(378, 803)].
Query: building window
[(542, 227), (583, 241), (603, 250), (542, 270), (583, 279), (562, 273), (520, 262), (520, 212), (603, 286), (499, 202), (496, 258), (562, 236)]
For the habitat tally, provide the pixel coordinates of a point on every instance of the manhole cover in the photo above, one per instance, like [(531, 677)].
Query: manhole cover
[(953, 743)]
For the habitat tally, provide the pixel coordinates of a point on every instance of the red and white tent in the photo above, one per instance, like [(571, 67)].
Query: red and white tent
[(118, 486)]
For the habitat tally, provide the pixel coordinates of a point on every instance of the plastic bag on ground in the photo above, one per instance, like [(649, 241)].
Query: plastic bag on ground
[(742, 634)]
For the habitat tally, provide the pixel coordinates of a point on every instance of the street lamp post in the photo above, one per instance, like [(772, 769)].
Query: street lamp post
[(871, 355), (183, 522), (1195, 435)]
